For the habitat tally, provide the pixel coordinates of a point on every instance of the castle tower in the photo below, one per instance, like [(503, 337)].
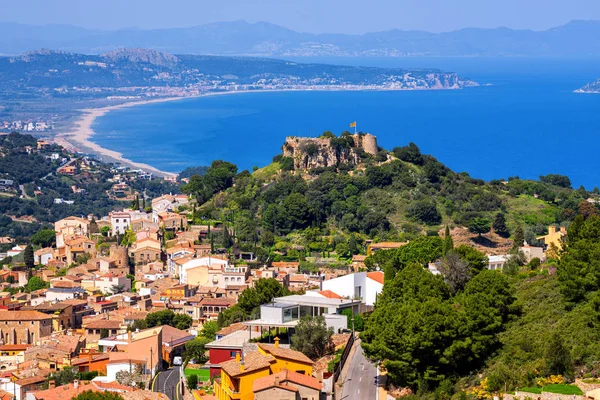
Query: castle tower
[(118, 254), (367, 142)]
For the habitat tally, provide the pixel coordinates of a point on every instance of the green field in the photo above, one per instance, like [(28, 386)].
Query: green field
[(556, 388), (203, 374)]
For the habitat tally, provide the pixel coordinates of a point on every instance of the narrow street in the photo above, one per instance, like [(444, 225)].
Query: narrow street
[(361, 380), (167, 382)]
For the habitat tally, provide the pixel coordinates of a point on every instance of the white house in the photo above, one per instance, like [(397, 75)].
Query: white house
[(364, 286), (42, 256), (496, 263), (120, 222), (15, 251), (286, 311), (60, 294), (212, 262)]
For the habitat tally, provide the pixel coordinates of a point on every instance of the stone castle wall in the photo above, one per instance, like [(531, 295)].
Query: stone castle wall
[(310, 153), (118, 254)]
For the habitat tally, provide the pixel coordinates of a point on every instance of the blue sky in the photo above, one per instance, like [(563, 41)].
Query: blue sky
[(318, 16)]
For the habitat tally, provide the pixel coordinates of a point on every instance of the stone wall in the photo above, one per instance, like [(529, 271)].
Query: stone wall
[(544, 396)]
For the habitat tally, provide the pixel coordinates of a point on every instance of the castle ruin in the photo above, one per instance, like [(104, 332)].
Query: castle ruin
[(309, 153)]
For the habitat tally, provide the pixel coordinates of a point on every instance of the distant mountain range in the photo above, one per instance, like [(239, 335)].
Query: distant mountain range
[(577, 38)]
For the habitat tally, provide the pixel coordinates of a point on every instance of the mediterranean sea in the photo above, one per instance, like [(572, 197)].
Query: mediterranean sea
[(523, 121)]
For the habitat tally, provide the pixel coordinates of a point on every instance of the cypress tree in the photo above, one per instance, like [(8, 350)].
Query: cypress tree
[(448, 242), (28, 257), (518, 237), (500, 225)]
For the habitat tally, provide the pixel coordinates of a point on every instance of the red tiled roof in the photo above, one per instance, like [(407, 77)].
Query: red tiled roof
[(286, 376), (330, 295), (103, 324), (23, 316), (253, 361), (238, 326), (376, 276), (280, 352), (209, 301)]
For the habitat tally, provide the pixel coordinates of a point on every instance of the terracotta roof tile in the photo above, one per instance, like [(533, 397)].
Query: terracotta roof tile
[(286, 376), (209, 301), (329, 294), (23, 316), (280, 352), (103, 324), (253, 361), (376, 276), (238, 326)]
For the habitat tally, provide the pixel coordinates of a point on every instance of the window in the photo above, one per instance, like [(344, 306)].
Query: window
[(232, 354)]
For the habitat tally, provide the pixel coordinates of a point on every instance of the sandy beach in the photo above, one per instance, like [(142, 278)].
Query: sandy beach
[(78, 139)]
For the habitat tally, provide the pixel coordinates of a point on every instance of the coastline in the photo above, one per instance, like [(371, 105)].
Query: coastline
[(78, 139)]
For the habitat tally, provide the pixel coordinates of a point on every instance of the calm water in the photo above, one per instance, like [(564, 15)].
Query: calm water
[(527, 123)]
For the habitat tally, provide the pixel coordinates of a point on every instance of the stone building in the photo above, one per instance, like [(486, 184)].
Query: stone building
[(24, 327), (309, 153)]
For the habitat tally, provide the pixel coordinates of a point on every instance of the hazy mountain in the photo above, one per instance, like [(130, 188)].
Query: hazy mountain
[(577, 38)]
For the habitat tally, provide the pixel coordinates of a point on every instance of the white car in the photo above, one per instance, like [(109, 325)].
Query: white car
[(177, 361)]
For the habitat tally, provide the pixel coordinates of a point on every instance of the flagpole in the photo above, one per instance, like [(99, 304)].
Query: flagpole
[(355, 128)]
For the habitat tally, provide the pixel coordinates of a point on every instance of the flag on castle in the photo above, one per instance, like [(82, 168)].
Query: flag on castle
[(353, 124)]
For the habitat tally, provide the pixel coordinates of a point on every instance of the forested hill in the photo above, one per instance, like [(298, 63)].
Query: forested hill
[(393, 195), (141, 67)]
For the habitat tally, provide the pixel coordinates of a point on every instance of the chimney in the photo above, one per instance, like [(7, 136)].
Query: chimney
[(76, 384), (129, 336), (276, 340), (242, 366), (276, 380), (563, 230), (551, 230), (237, 357), (51, 384)]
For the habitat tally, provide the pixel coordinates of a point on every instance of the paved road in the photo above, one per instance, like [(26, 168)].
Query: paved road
[(167, 383), (361, 380)]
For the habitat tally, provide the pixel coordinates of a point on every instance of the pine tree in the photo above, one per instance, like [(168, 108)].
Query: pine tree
[(448, 242), (558, 357), (28, 257), (518, 237)]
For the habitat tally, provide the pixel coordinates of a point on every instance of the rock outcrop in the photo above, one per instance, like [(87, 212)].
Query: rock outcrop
[(309, 153)]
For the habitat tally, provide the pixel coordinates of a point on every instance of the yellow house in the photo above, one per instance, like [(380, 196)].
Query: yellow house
[(237, 376), (554, 238)]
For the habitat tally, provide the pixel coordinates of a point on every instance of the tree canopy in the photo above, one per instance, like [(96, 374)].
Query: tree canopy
[(312, 337), (423, 334)]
